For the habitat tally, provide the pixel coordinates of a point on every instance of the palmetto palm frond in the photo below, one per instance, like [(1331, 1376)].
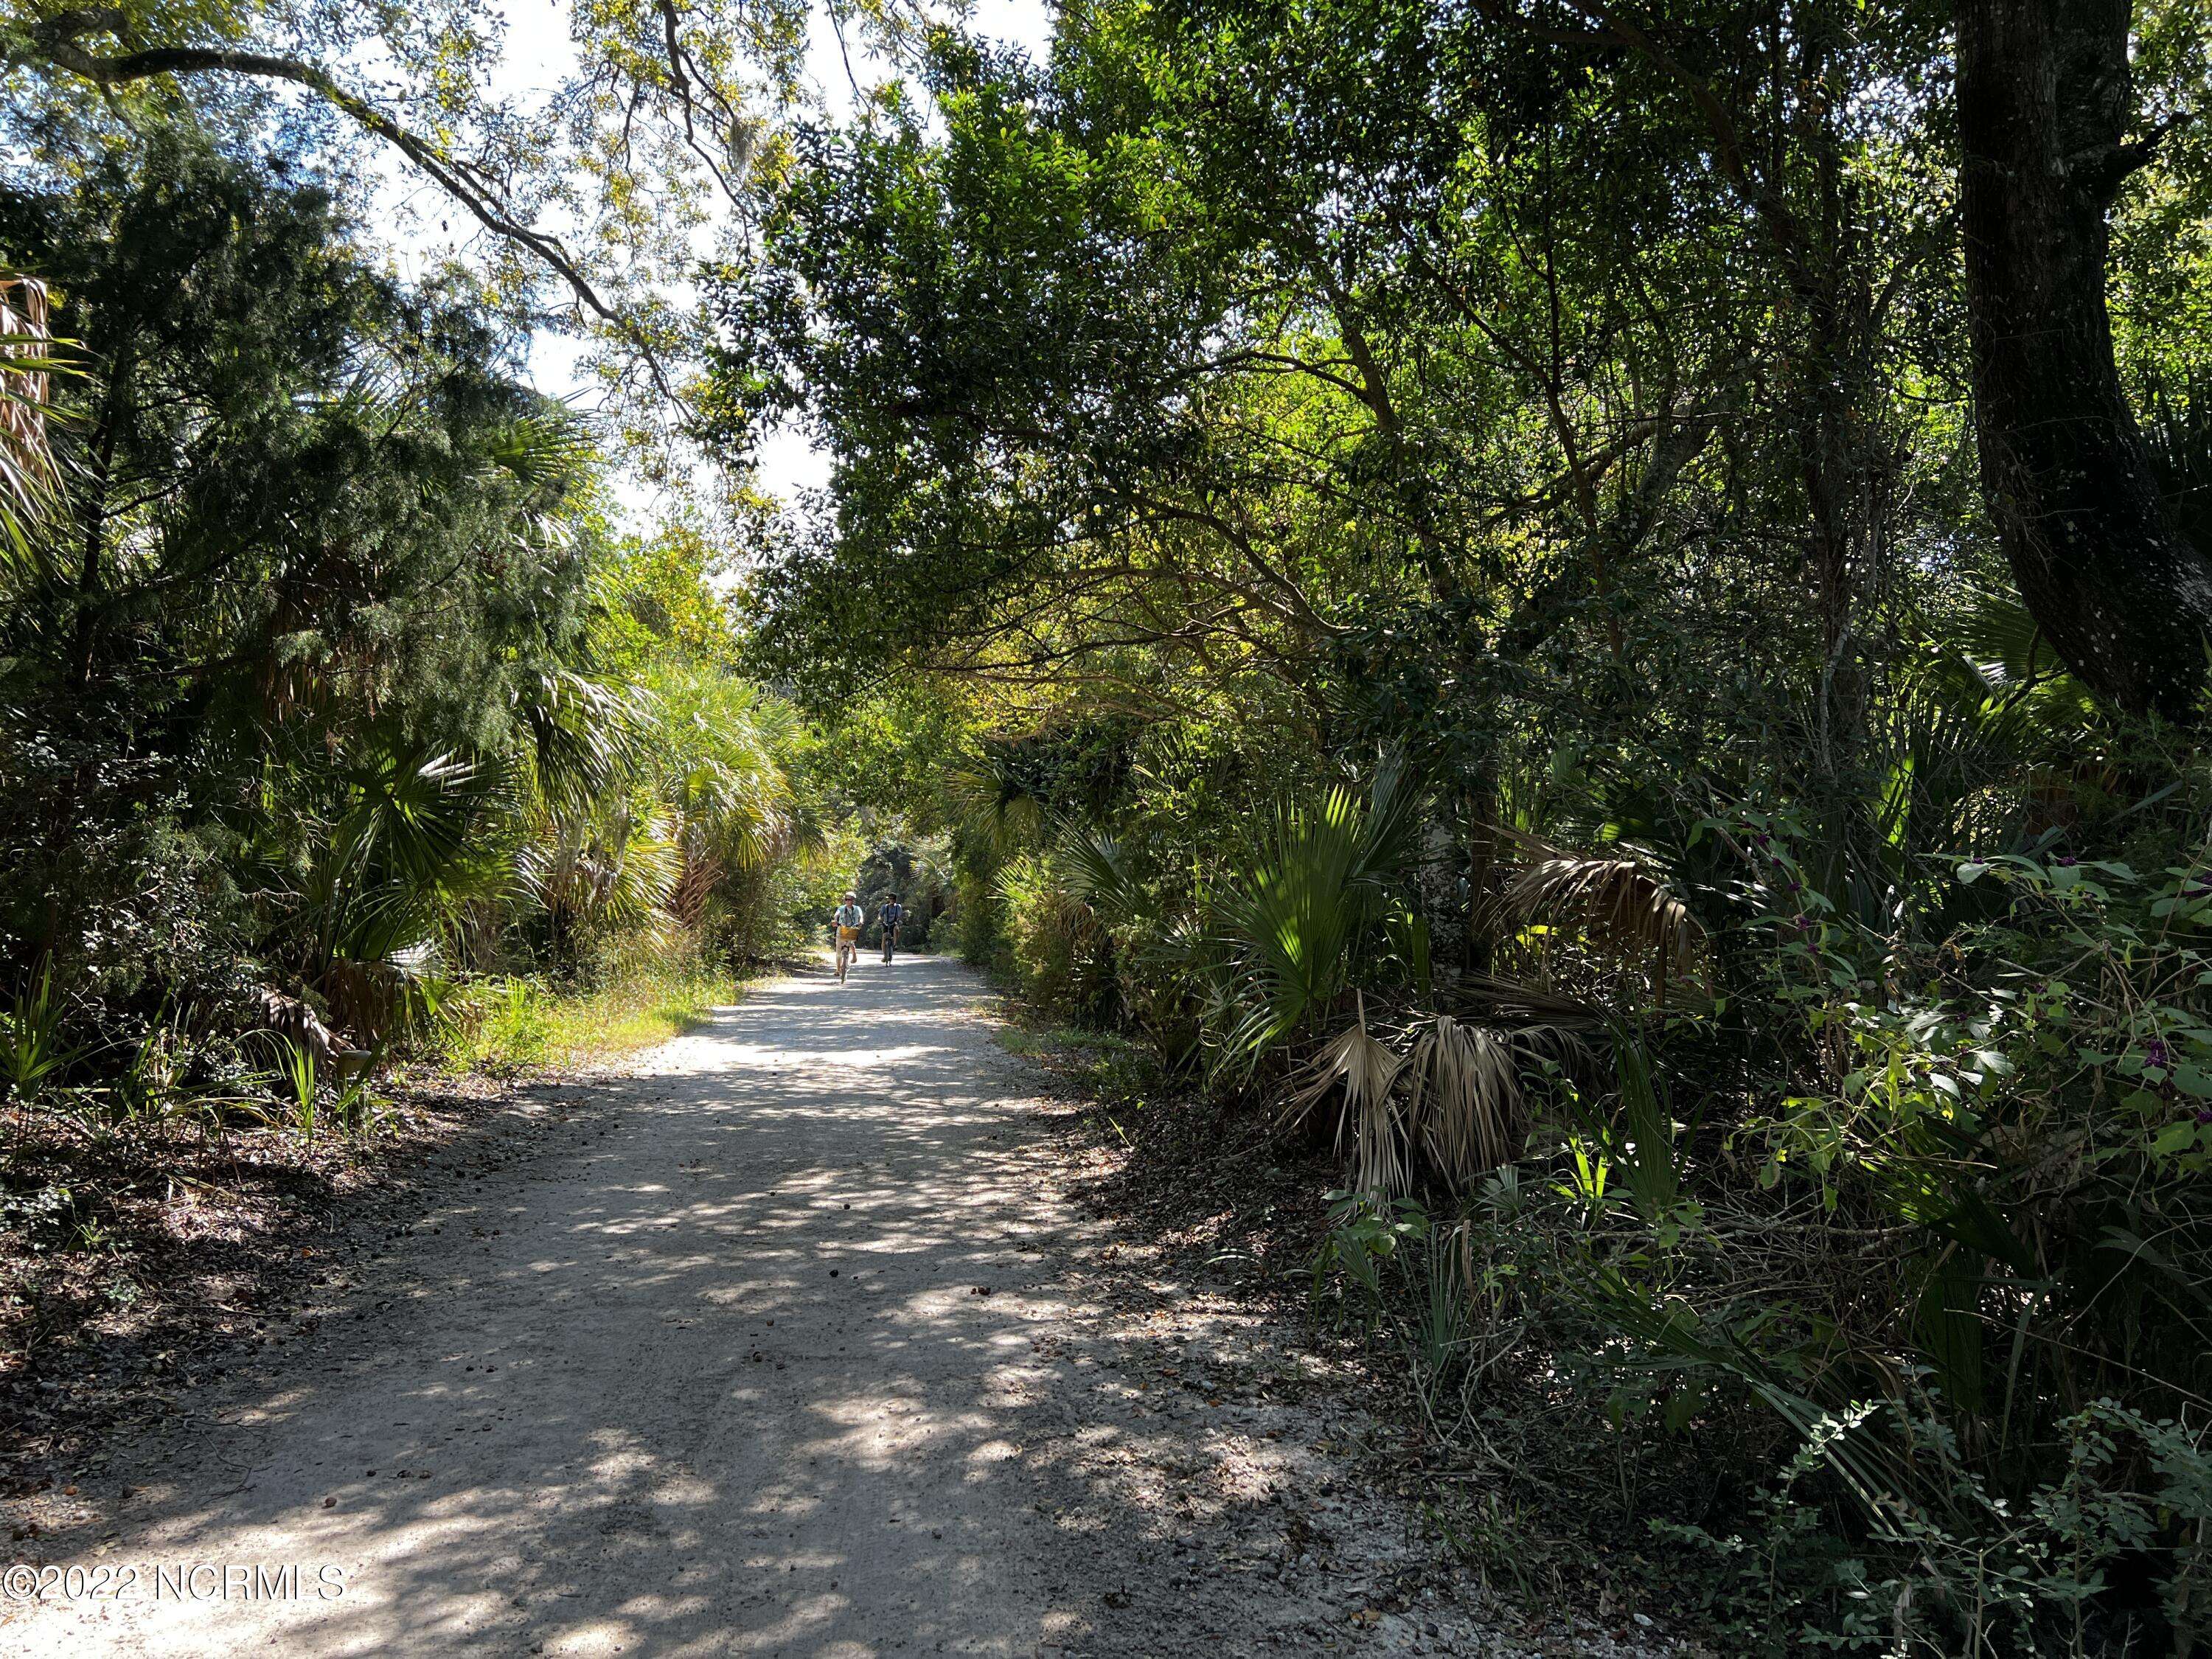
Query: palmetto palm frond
[(1938, 755), (732, 814), (390, 878), (1464, 1100), (1522, 1007), (29, 479), (389, 869), (724, 782), (586, 737), (1309, 904), (1618, 903), (1990, 662), (1365, 1069), (616, 870), (1442, 1094), (994, 810), (549, 448), (1096, 867), (1996, 633)]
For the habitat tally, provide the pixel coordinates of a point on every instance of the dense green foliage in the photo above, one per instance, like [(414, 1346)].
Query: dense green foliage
[(329, 690), (1440, 568), (1458, 538)]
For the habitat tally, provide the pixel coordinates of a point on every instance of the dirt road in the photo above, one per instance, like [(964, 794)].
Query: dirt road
[(796, 1346)]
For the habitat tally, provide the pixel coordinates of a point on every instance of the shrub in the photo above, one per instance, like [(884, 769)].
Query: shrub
[(980, 927), (1063, 958)]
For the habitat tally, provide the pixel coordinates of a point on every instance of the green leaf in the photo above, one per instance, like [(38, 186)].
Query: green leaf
[(2174, 1138), (1948, 1331)]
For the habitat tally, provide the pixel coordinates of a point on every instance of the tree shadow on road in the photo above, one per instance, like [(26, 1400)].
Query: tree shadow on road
[(802, 1350)]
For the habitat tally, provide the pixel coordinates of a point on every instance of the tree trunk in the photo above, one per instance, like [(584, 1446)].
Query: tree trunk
[(2045, 100)]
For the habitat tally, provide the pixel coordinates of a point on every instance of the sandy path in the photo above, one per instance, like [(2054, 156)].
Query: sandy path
[(799, 1349)]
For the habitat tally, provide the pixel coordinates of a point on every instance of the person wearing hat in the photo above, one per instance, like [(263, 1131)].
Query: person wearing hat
[(847, 920)]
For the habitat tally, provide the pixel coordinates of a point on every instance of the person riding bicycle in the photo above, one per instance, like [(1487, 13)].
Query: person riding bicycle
[(888, 917), (847, 920)]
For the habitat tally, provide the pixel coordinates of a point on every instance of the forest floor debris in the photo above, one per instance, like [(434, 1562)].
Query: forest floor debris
[(1200, 1191), (133, 1264)]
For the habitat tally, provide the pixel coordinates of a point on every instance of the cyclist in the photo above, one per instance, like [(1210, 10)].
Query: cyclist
[(888, 917), (846, 920)]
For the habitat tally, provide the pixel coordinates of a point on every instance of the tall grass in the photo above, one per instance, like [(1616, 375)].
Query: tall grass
[(516, 1022)]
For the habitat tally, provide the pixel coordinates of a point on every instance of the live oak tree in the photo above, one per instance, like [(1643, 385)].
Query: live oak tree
[(605, 184), (1485, 333), (2049, 133)]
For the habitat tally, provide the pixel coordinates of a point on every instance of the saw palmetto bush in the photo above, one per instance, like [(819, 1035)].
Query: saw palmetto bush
[(1297, 920), (1302, 971), (1616, 902), (1884, 1250), (1924, 1240)]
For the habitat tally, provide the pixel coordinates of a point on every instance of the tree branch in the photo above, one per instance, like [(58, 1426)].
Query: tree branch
[(55, 43)]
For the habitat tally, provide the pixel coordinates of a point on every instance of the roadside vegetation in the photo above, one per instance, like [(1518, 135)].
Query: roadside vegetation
[(1591, 620), (509, 1025), (1492, 616), (350, 747)]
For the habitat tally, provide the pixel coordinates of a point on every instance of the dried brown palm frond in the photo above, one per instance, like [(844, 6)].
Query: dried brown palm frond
[(1512, 1002), (1463, 1099), (1559, 1046), (1365, 1068), (1618, 903)]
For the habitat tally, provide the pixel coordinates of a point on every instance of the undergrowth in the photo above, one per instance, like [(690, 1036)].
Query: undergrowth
[(512, 1024)]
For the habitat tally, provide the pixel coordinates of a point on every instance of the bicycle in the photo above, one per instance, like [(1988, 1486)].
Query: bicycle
[(848, 950), (890, 936)]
